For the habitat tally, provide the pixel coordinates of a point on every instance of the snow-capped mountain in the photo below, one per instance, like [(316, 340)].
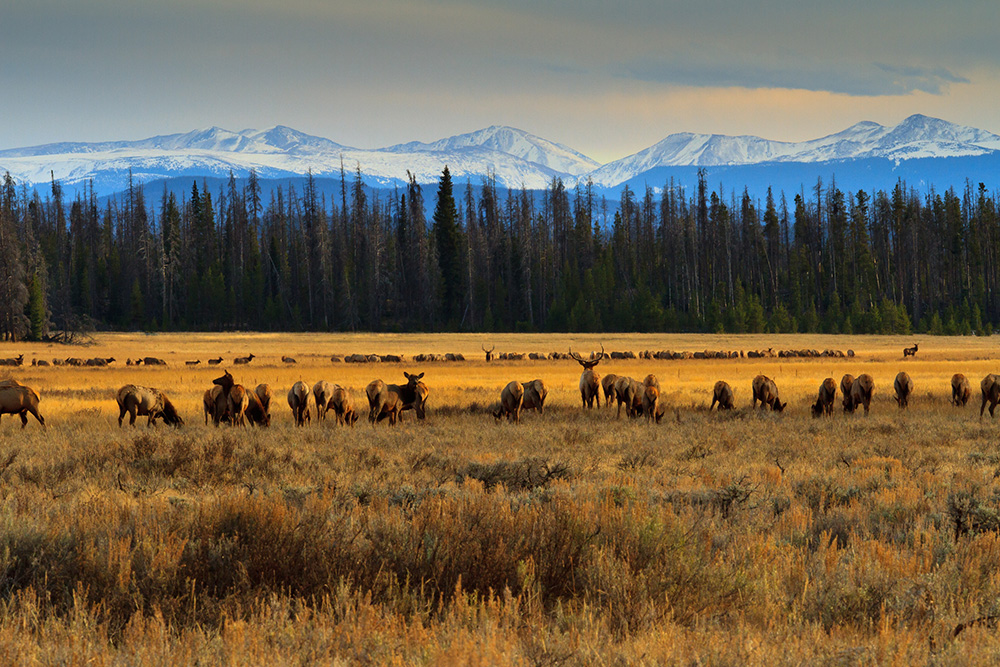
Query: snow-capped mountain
[(518, 159), (916, 137)]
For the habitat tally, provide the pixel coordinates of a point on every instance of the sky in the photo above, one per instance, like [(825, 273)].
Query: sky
[(605, 78)]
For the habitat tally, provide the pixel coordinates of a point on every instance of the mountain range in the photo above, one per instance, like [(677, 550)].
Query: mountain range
[(923, 151)]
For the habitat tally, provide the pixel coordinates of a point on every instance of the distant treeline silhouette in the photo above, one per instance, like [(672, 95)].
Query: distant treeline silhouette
[(660, 260)]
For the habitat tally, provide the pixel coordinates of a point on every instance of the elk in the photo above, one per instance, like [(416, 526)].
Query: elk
[(904, 388), (239, 361), (825, 398), (298, 401), (215, 405), (590, 381), (846, 383), (255, 412), (990, 387), (146, 401), (343, 406), (153, 361), (192, 363), (322, 391), (723, 395), (288, 360), (18, 399), (376, 393), (412, 395), (651, 402), (16, 361), (625, 393), (236, 397), (489, 352), (961, 390), (910, 351), (213, 362), (511, 400), (861, 392), (535, 393), (765, 391), (608, 384)]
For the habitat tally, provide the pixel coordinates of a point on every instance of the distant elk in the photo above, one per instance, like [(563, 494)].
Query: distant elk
[(961, 390), (18, 399), (990, 387), (910, 351), (192, 363), (590, 381), (153, 361), (766, 391), (511, 400), (846, 383), (298, 401), (722, 394), (535, 393), (489, 352), (100, 361), (861, 393), (288, 360), (904, 389), (215, 362), (825, 398), (608, 385), (16, 361), (146, 402), (241, 361)]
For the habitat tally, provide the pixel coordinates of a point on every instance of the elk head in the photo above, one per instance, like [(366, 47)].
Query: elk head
[(588, 364), (489, 352), (226, 382)]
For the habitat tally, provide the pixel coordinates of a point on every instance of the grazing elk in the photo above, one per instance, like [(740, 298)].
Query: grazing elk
[(910, 351), (255, 412), (722, 394), (16, 361), (626, 393), (825, 398), (146, 401), (904, 389), (264, 394), (511, 400), (651, 402), (990, 387), (343, 406), (961, 390), (192, 363), (590, 381), (215, 405), (242, 361), (846, 383), (489, 352), (215, 362), (153, 361), (765, 391), (288, 360), (322, 391), (18, 399), (376, 393), (535, 394), (608, 385), (861, 392), (298, 401)]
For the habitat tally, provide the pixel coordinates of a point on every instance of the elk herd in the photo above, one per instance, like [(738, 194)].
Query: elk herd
[(228, 402)]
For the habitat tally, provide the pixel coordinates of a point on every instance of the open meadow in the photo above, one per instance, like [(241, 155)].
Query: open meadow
[(735, 538)]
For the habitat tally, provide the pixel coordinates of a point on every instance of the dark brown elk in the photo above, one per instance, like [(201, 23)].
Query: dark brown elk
[(910, 351), (765, 391), (511, 399), (322, 392), (192, 363), (18, 399), (961, 390), (236, 398), (16, 361), (215, 362), (146, 402), (215, 405), (846, 383), (343, 406), (723, 395), (153, 361), (861, 392), (990, 387), (376, 393), (825, 398), (608, 385), (651, 402), (489, 352), (75, 361), (535, 394), (298, 401), (288, 360), (904, 389), (239, 361), (590, 381), (255, 412)]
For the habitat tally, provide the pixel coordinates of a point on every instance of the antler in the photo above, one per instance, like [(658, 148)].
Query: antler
[(489, 350)]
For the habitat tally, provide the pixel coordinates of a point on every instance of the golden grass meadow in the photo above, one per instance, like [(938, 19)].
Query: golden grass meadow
[(574, 538)]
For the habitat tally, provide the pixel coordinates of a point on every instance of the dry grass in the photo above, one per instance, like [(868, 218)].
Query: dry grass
[(574, 538)]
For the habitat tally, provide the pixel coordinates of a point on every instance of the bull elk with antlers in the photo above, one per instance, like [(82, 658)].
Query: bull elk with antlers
[(489, 352), (590, 381)]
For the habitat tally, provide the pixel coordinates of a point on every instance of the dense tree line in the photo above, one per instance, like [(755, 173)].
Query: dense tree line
[(488, 260)]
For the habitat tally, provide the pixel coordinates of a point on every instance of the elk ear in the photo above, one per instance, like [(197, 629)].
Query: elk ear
[(420, 376)]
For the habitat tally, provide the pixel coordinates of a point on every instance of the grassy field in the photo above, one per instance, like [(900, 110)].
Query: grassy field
[(574, 538)]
